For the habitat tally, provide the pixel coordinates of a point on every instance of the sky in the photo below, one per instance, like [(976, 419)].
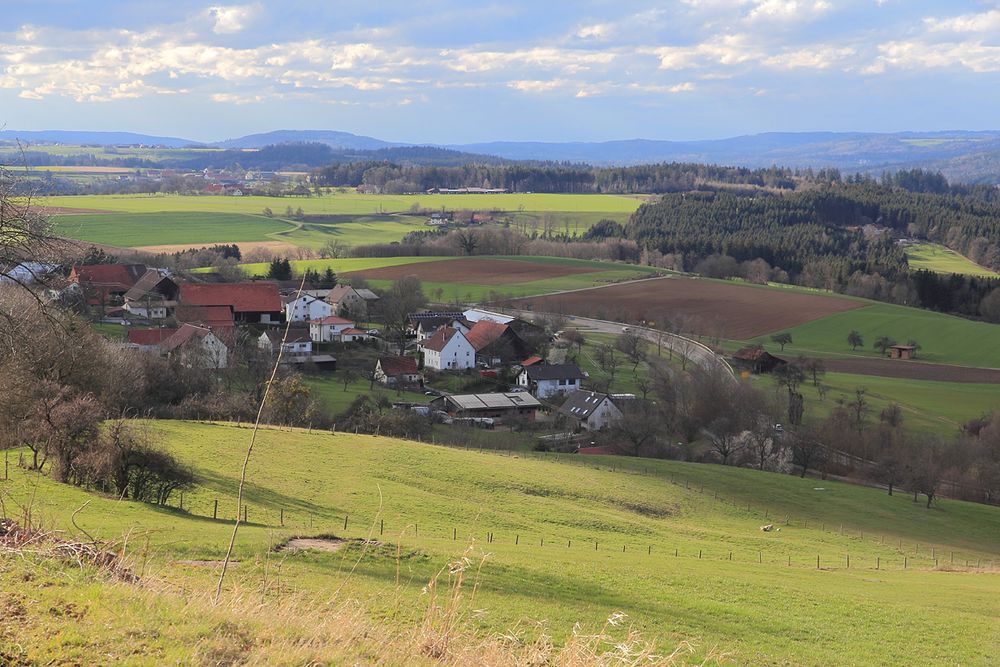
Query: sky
[(452, 71)]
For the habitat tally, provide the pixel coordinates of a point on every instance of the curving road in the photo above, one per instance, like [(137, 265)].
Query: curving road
[(699, 354)]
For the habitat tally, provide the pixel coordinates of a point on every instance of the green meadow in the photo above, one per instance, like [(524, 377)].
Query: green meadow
[(938, 258), (350, 203), (676, 547), (148, 229), (944, 339)]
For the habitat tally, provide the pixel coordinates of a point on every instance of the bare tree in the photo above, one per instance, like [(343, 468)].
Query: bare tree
[(636, 432), (633, 346)]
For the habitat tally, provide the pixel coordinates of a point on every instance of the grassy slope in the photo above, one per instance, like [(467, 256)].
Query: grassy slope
[(130, 230), (935, 257), (944, 339), (764, 613)]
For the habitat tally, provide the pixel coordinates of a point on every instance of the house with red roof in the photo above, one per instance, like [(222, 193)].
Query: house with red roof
[(496, 342), (328, 329), (148, 340), (448, 349), (104, 284), (395, 371), (255, 302), (196, 347)]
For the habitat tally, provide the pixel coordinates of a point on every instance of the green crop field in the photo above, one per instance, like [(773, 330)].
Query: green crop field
[(149, 229), (674, 546), (938, 258), (350, 203), (944, 339)]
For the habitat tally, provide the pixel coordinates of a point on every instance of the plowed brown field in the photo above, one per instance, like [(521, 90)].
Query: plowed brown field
[(727, 310), (478, 271)]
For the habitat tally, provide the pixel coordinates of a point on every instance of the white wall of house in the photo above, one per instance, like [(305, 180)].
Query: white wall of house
[(457, 354), (140, 310), (327, 333), (546, 388), (307, 308), (606, 414)]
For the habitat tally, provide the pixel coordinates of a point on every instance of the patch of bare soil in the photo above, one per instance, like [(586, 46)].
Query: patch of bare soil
[(328, 544)]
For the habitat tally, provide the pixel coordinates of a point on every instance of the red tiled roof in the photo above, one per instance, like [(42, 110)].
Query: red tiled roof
[(109, 276), (255, 297), (440, 339), (531, 360), (183, 335), (333, 319), (149, 336), (207, 316), (393, 366), (353, 331), (485, 332)]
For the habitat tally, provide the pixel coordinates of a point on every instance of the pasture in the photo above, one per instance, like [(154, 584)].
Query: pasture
[(152, 229), (944, 339), (676, 547), (938, 258)]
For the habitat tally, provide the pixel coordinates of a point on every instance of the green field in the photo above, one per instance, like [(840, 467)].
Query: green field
[(944, 339), (928, 406), (572, 543), (351, 203), (938, 258), (148, 229)]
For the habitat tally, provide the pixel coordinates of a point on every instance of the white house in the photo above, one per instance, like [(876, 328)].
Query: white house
[(591, 410), (307, 308), (544, 380), (328, 329), (196, 346), (448, 349), (297, 343), (352, 335)]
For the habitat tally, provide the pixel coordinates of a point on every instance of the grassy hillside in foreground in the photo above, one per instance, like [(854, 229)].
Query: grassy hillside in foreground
[(938, 258), (944, 339), (576, 543)]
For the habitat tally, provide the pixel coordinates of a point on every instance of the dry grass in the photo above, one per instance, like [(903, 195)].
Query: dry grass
[(256, 623)]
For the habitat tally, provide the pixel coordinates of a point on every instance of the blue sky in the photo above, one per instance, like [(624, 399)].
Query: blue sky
[(451, 71)]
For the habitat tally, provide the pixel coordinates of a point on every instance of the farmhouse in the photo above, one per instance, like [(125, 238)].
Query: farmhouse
[(196, 347), (426, 323), (147, 340), (346, 300), (251, 302), (329, 329), (217, 318), (106, 283), (306, 308), (297, 342), (395, 371), (153, 296), (544, 380), (495, 343), (448, 349), (902, 351), (590, 410), (353, 335), (756, 360), (518, 406)]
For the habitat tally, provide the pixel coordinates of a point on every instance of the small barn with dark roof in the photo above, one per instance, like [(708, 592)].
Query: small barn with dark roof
[(756, 359)]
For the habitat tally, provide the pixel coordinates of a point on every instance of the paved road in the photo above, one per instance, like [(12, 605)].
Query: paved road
[(690, 349)]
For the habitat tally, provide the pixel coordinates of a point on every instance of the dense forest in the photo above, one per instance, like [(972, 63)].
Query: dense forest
[(396, 178), (840, 236)]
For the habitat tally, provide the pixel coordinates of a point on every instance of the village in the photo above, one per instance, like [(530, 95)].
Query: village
[(457, 368)]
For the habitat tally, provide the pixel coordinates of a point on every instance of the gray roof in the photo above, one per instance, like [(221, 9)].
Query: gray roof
[(581, 404), (554, 372), (493, 401), (366, 294)]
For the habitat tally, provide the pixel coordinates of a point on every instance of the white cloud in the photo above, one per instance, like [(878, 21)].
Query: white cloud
[(985, 22), (231, 18), (788, 10), (595, 31)]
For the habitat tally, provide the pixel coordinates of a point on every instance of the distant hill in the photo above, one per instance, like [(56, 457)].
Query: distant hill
[(71, 137), (962, 156), (334, 139)]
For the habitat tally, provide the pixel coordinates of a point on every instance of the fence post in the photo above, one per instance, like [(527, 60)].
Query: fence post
[(454, 534), (878, 562), (817, 560), (699, 554), (245, 514), (848, 561), (215, 509), (760, 557), (345, 522), (904, 562), (282, 519), (649, 550), (517, 538)]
